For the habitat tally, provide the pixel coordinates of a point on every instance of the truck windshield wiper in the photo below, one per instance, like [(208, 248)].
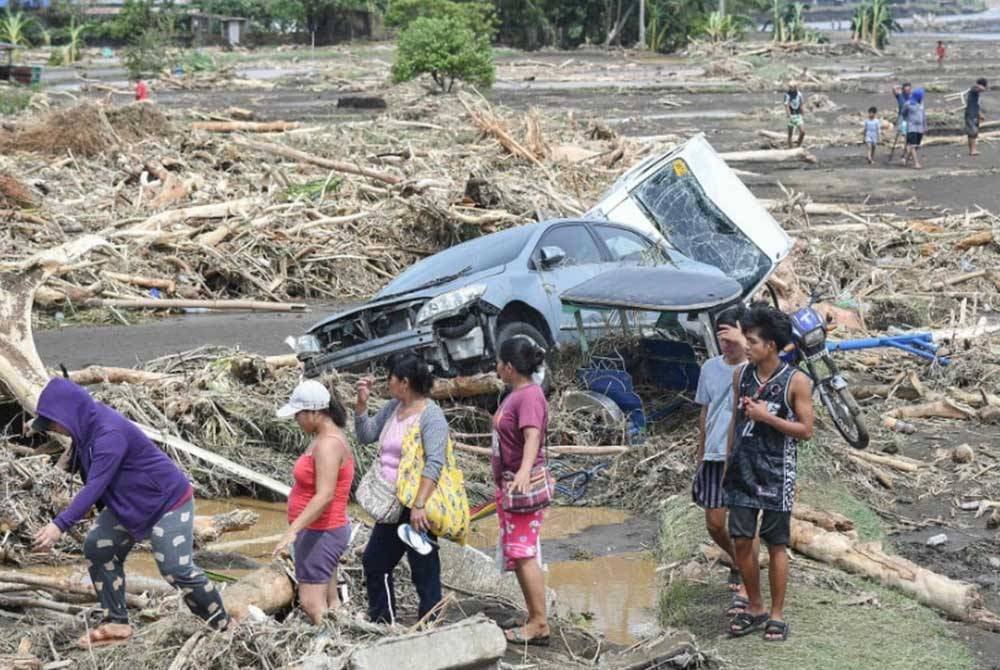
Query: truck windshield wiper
[(432, 283)]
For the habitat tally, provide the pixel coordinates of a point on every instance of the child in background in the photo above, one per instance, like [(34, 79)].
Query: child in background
[(873, 132)]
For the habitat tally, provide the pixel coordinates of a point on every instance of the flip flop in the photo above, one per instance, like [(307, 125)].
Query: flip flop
[(517, 637), (746, 623), (778, 628)]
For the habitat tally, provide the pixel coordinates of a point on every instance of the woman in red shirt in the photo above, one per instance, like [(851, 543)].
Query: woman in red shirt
[(519, 428), (317, 505)]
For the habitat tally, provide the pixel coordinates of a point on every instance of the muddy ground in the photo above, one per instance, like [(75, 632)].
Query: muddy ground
[(644, 95)]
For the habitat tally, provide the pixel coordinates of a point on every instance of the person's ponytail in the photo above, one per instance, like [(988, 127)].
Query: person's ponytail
[(523, 354)]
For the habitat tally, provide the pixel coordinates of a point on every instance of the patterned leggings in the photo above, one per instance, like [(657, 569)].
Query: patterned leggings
[(108, 543)]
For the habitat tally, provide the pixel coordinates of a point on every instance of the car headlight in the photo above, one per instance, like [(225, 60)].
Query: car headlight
[(450, 303), (814, 338), (307, 344)]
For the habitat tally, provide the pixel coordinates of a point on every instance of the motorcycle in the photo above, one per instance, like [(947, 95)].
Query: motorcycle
[(811, 355)]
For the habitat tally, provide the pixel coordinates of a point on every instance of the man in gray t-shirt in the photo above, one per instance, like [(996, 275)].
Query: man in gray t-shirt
[(715, 395)]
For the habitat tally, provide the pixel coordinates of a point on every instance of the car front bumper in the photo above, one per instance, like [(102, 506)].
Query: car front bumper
[(367, 352)]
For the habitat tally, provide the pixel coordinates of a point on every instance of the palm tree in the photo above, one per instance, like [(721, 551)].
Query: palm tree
[(873, 23), (71, 52), (13, 28)]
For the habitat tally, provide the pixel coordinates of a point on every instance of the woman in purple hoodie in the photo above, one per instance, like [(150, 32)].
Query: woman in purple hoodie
[(140, 493)]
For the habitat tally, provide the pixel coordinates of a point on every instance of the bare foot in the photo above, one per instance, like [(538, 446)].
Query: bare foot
[(973, 153), (106, 635)]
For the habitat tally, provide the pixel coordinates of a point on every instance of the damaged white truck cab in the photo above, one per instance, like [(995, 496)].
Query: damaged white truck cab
[(695, 200)]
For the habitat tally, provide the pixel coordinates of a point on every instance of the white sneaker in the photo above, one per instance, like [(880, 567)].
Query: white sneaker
[(419, 542)]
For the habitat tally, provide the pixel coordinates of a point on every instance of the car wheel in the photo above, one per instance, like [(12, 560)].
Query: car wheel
[(519, 328)]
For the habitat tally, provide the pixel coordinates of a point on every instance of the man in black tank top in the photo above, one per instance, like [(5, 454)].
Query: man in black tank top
[(773, 411)]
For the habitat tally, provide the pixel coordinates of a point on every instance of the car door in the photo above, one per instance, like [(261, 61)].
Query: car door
[(629, 248), (582, 258)]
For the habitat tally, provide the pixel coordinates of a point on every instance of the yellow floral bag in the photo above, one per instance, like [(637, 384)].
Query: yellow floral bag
[(448, 507)]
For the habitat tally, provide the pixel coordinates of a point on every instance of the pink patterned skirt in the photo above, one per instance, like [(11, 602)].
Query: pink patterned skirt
[(519, 534)]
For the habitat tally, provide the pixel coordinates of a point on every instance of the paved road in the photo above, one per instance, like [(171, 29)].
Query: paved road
[(262, 333)]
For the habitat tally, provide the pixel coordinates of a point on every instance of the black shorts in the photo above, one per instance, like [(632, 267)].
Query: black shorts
[(775, 527), (914, 139), (972, 126)]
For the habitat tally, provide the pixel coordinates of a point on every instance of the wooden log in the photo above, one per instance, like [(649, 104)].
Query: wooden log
[(168, 303), (895, 462), (959, 279), (301, 156), (959, 600), (945, 409), (282, 361), (20, 662), (245, 126), (826, 520), (486, 383), (881, 476), (63, 585), (570, 449), (902, 391), (268, 588), (168, 285), (980, 239), (55, 297), (209, 528), (769, 156), (218, 210), (96, 374), (42, 603)]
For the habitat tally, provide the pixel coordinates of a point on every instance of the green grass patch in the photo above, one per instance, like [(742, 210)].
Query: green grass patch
[(14, 100), (826, 633), (771, 70), (682, 531)]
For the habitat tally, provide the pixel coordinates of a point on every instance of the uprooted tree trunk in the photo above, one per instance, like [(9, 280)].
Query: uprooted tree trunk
[(209, 528), (269, 588), (22, 371), (959, 600)]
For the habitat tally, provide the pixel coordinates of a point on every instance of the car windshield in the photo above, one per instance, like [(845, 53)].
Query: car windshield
[(473, 256), (675, 200)]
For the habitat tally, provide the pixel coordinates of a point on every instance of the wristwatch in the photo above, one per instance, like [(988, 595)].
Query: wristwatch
[(418, 505)]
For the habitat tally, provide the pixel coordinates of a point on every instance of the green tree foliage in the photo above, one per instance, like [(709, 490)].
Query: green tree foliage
[(479, 17), (873, 22), (447, 50), (718, 27), (14, 27), (788, 23), (149, 28)]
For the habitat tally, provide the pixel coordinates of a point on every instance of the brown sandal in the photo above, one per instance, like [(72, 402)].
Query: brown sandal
[(102, 637)]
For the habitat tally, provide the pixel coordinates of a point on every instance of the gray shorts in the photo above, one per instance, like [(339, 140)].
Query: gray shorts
[(972, 126), (317, 553)]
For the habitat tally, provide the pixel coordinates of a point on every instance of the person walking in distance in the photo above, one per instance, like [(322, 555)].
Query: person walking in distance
[(523, 484), (873, 132), (940, 51), (715, 395), (793, 109), (317, 505), (916, 124), (773, 411), (902, 94), (973, 113)]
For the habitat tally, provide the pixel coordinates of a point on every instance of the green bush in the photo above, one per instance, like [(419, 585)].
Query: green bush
[(148, 53), (14, 100), (479, 17), (445, 49)]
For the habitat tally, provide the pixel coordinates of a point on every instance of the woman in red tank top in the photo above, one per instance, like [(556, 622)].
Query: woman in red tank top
[(317, 505)]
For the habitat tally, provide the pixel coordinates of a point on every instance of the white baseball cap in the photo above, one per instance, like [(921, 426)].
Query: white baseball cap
[(309, 395)]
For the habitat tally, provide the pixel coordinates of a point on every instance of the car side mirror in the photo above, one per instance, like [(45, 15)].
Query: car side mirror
[(550, 257)]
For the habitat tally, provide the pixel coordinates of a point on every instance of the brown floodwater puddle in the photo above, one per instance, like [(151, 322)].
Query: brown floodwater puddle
[(616, 593)]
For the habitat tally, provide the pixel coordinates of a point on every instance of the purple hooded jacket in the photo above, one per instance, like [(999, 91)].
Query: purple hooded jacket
[(121, 467)]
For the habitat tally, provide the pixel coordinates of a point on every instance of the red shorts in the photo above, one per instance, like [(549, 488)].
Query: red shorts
[(519, 535)]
